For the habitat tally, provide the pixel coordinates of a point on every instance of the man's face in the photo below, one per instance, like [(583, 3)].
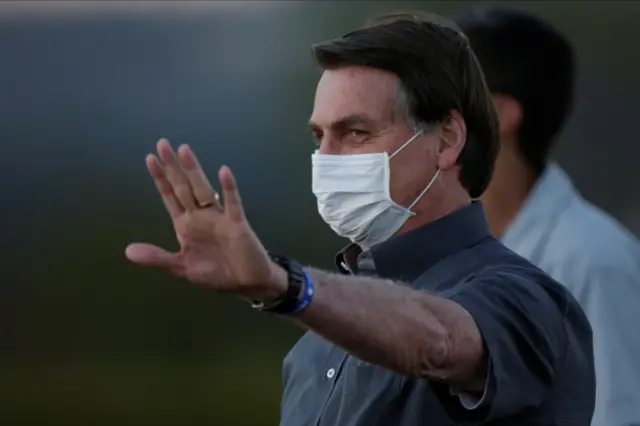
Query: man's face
[(355, 112)]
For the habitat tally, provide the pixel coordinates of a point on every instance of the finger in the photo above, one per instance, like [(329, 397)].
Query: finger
[(150, 255), (232, 202), (176, 175), (164, 186), (200, 185)]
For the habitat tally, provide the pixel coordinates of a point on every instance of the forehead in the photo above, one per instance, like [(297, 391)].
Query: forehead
[(355, 91)]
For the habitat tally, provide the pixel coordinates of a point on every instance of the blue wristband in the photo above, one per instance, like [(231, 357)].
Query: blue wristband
[(307, 295)]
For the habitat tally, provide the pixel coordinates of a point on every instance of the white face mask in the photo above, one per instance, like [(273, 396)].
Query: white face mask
[(353, 195)]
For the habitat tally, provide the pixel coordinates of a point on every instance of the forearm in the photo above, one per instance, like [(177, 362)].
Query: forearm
[(386, 323)]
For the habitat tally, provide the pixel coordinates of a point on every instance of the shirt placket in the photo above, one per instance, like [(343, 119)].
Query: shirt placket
[(333, 374)]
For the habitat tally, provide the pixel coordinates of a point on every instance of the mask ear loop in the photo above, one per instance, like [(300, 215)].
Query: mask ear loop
[(424, 191), (433, 179), (407, 143)]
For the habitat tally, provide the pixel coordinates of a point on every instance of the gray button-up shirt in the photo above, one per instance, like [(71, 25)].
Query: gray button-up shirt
[(537, 339), (599, 262)]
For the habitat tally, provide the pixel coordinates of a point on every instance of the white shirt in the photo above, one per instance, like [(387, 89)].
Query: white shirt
[(598, 260)]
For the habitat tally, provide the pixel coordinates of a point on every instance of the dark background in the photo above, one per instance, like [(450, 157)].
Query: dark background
[(86, 89)]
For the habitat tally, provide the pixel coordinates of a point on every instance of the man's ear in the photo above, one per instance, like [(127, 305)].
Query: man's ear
[(453, 136), (509, 112)]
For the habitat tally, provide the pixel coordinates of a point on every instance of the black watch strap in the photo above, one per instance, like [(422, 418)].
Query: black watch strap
[(288, 303)]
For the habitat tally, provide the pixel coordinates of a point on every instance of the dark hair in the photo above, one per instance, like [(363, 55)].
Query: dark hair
[(438, 73), (527, 59)]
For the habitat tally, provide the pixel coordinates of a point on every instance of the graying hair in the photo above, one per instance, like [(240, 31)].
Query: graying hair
[(403, 111)]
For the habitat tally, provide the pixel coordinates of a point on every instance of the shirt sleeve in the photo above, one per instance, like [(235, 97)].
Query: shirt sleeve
[(522, 323), (610, 296), (471, 401)]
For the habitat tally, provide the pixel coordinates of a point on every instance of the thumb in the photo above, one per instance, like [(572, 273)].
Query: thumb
[(150, 255)]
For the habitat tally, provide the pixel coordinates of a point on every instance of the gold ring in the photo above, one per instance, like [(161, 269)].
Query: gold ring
[(209, 203)]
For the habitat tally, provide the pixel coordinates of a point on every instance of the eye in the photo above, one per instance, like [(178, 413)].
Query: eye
[(358, 136), (317, 136)]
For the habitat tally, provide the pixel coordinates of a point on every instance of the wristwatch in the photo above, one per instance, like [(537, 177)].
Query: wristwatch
[(290, 302)]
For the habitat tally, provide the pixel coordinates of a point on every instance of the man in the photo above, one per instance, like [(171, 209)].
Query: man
[(533, 207), (432, 321)]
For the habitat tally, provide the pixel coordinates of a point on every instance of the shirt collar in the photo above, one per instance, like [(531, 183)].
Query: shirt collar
[(406, 256), (549, 197)]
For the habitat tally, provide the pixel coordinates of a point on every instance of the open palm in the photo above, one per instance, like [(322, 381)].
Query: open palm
[(218, 248)]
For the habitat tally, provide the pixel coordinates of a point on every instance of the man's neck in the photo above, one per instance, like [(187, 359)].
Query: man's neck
[(508, 192)]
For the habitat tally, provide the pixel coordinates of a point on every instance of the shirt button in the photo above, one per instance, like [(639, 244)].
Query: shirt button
[(330, 373)]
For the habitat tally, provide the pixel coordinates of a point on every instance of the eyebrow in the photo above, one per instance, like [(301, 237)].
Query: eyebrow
[(347, 121)]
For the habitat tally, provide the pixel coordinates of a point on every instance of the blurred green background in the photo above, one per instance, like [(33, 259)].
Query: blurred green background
[(85, 91)]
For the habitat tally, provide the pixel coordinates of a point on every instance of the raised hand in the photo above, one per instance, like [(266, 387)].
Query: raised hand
[(218, 248)]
